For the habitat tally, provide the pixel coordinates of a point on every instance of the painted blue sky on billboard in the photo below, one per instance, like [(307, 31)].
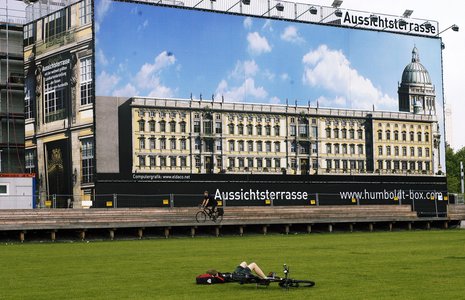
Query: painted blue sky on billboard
[(165, 52)]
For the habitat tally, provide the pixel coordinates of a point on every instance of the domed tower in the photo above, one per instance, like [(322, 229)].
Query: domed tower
[(416, 91)]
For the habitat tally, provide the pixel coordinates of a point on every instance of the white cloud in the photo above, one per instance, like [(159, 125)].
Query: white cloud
[(106, 83), (275, 100), (101, 58), (338, 101), (284, 77), (331, 70), (269, 74), (161, 91), (244, 69), (148, 75), (257, 43), (143, 25), (246, 92), (127, 91), (267, 26), (291, 34), (100, 12), (248, 23)]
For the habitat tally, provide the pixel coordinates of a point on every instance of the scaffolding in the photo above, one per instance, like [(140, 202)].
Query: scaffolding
[(12, 18)]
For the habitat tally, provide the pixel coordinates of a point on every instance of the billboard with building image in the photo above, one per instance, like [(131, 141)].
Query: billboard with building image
[(163, 52), (201, 97)]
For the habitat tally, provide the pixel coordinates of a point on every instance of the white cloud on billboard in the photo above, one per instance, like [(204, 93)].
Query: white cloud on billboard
[(143, 25), (106, 83), (244, 69), (101, 10), (159, 90), (269, 75), (291, 34), (245, 92), (327, 102), (267, 26), (127, 91), (101, 58), (275, 100), (257, 43), (149, 73), (248, 23), (331, 70)]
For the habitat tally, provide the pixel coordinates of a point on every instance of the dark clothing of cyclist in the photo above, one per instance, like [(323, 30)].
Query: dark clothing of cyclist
[(209, 202)]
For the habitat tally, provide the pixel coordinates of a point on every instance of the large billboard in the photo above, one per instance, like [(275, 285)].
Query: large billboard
[(165, 52), (170, 52)]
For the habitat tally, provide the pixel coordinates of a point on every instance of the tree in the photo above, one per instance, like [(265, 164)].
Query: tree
[(453, 168)]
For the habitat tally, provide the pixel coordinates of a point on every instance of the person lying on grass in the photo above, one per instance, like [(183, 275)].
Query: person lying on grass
[(242, 272)]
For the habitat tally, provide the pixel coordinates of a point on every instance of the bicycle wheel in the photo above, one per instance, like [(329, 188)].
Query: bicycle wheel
[(201, 217), (299, 283), (218, 219)]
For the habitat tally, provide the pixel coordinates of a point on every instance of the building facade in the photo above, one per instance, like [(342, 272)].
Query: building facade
[(11, 98), (192, 136), (187, 136), (58, 66)]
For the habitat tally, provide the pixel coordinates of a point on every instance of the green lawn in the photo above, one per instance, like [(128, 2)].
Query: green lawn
[(381, 265)]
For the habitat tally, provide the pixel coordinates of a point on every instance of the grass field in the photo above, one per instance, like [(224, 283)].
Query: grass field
[(381, 265)]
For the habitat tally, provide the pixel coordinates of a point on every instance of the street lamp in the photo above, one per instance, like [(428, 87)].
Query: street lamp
[(245, 2), (312, 10), (198, 3), (279, 7), (337, 12), (454, 27)]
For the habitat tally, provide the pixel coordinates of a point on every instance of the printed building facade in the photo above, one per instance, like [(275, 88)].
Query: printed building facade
[(58, 58), (192, 136)]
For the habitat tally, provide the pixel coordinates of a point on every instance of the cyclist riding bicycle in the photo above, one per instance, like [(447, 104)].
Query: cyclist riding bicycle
[(209, 202)]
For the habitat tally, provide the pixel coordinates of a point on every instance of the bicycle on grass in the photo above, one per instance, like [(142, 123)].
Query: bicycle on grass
[(284, 282), (214, 215)]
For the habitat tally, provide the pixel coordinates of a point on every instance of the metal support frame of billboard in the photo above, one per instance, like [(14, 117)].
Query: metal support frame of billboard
[(285, 10), (311, 13)]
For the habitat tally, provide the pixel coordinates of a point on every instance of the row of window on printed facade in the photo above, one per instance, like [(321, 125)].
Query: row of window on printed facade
[(404, 165), (233, 162), (233, 145), (411, 136), (275, 130), (208, 128), (419, 151)]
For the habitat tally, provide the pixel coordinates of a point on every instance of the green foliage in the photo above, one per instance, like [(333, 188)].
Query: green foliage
[(453, 168), (381, 265)]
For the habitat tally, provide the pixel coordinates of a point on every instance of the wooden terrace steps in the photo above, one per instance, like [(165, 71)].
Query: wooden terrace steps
[(456, 212), (165, 217)]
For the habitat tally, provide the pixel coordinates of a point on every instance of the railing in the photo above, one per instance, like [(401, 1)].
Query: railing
[(60, 39), (424, 203)]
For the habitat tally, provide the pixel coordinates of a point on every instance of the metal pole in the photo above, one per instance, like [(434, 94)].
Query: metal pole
[(7, 90), (461, 176)]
